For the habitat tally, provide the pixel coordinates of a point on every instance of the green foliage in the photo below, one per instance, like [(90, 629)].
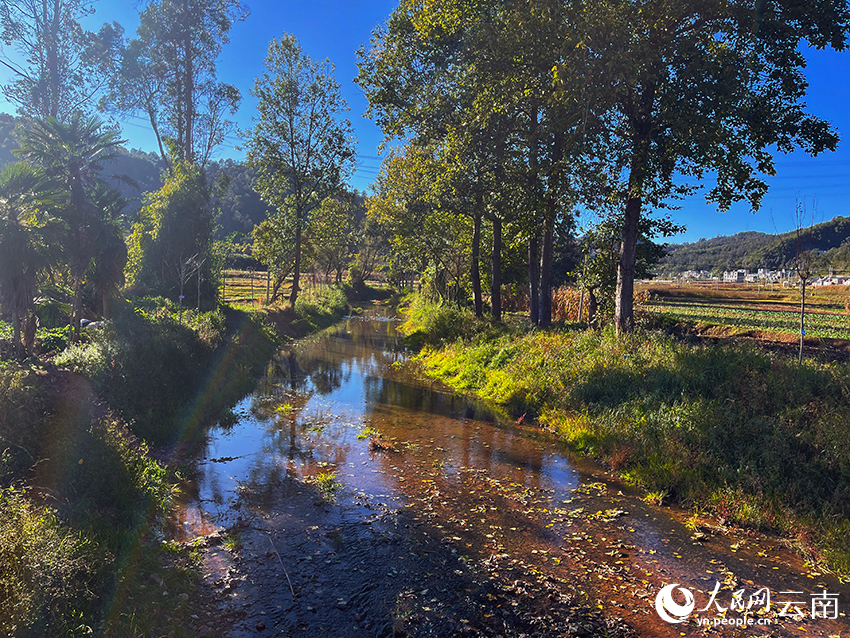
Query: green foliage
[(171, 244), (320, 307), (22, 403), (140, 356), (47, 571), (437, 323), (692, 421), (153, 351)]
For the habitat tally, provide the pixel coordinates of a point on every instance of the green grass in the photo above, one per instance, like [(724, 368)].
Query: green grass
[(195, 365), (756, 438)]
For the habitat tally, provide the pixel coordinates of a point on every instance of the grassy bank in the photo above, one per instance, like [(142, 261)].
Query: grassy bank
[(82, 499), (747, 435)]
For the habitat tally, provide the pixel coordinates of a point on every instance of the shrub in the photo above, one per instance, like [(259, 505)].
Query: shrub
[(46, 568), (435, 323), (21, 405)]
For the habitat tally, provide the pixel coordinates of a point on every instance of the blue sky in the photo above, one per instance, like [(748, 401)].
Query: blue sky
[(334, 29)]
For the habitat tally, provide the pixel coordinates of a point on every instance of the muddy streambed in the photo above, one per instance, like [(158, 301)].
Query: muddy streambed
[(354, 497)]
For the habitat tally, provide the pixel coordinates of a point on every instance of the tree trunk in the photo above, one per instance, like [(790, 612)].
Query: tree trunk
[(296, 272), (16, 334), (77, 309), (496, 277), (475, 268), (592, 306), (545, 314), (533, 278), (624, 320)]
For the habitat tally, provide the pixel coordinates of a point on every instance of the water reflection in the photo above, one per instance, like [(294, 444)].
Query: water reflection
[(310, 413)]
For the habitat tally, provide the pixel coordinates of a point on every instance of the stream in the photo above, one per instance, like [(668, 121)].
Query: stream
[(353, 496)]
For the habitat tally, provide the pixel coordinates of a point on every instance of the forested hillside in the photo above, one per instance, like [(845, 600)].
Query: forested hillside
[(753, 250)]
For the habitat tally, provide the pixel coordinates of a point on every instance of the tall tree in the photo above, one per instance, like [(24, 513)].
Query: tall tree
[(28, 239), (691, 88), (172, 241), (59, 66), (73, 154), (169, 73), (301, 144), (332, 227)]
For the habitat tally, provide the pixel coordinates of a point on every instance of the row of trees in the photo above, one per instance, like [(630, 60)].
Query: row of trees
[(300, 151), (515, 114)]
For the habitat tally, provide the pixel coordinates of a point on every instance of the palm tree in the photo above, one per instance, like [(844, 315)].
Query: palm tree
[(73, 153), (25, 242)]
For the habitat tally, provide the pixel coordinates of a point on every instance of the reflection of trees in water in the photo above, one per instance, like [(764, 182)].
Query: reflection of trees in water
[(381, 390)]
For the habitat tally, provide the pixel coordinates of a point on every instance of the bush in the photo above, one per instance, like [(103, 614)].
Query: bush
[(47, 570), (436, 323), (22, 405)]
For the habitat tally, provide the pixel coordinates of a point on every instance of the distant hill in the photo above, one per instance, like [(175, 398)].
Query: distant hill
[(753, 250)]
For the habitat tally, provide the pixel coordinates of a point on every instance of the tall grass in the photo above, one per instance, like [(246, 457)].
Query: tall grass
[(166, 372), (753, 436), (317, 308)]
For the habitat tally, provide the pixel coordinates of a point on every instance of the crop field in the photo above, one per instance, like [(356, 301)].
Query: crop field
[(746, 309), (244, 286)]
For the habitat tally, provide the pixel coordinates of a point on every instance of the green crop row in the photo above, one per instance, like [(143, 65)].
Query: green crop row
[(816, 324)]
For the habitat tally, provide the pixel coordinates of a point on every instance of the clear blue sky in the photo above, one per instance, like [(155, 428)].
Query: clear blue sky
[(336, 28)]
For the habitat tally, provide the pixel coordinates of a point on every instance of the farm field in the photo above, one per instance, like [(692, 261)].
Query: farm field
[(748, 309), (244, 286)]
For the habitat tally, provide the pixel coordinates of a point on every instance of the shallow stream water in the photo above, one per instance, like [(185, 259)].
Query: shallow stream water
[(393, 506)]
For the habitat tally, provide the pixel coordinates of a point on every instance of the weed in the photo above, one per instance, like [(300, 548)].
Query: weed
[(655, 498), (327, 484), (232, 541)]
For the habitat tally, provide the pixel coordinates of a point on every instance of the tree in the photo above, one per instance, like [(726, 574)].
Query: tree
[(332, 227), (691, 88), (423, 228), (73, 154), (274, 246), (59, 66), (169, 73), (301, 145), (27, 242), (106, 272), (173, 236)]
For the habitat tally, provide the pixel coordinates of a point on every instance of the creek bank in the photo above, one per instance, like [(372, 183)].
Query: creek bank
[(460, 522), (730, 430)]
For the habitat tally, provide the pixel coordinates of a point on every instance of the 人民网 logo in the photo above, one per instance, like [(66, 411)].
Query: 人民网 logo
[(671, 611)]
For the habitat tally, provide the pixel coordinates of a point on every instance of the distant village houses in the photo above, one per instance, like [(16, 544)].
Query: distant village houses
[(763, 274)]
